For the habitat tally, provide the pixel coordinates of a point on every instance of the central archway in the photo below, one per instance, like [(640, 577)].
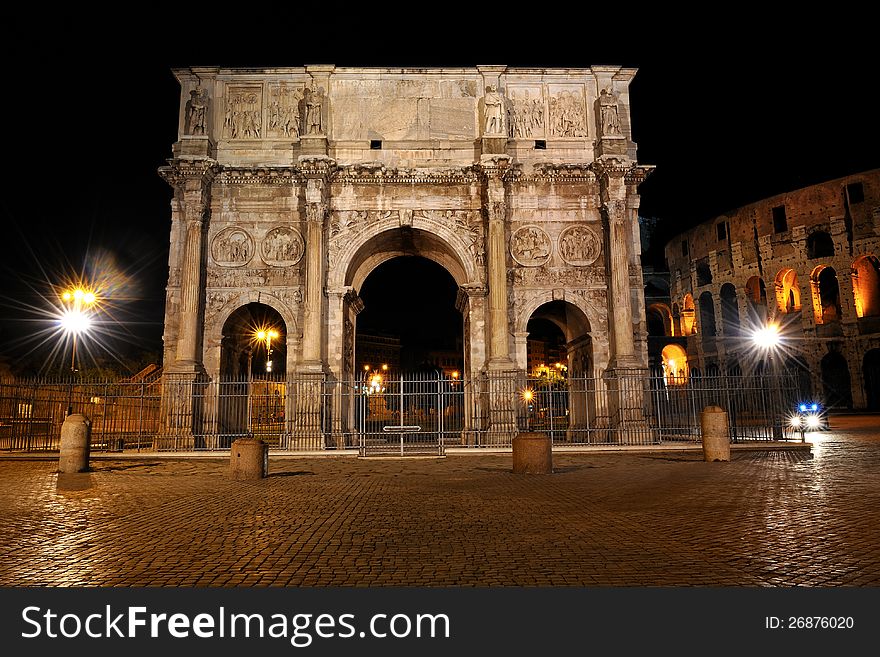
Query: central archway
[(409, 322), (388, 266)]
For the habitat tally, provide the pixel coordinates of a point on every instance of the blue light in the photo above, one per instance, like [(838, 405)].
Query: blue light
[(803, 408), (814, 407)]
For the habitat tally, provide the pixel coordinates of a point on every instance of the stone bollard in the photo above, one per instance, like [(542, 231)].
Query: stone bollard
[(249, 459), (716, 435), (532, 453), (76, 438)]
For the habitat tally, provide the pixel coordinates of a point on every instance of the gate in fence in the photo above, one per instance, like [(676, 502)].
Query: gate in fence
[(409, 414)]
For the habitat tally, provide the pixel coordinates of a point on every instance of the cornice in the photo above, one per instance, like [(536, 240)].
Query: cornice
[(556, 172), (379, 174), (181, 171), (259, 175)]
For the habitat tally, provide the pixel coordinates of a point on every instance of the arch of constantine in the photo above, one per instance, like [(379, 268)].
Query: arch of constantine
[(292, 185)]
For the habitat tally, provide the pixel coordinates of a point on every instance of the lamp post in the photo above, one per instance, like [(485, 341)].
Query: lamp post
[(266, 336), (768, 339), (75, 320)]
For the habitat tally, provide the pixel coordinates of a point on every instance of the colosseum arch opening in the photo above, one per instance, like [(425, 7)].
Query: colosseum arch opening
[(820, 245), (788, 293), (866, 285), (826, 295)]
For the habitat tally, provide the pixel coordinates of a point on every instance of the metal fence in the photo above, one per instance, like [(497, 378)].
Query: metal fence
[(399, 414)]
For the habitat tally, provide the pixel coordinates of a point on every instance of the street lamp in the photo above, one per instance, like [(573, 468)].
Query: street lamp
[(768, 339), (267, 335), (75, 319)]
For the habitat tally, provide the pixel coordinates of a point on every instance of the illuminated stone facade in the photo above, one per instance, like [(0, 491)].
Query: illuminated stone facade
[(806, 261), (291, 185)]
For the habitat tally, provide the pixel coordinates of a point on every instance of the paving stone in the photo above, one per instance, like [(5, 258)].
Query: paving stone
[(766, 518)]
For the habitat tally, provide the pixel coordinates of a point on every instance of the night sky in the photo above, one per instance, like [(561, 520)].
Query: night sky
[(88, 119)]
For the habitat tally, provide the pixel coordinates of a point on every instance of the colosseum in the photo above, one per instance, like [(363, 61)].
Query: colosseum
[(805, 263)]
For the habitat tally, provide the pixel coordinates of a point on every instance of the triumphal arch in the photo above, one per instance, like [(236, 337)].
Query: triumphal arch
[(291, 185)]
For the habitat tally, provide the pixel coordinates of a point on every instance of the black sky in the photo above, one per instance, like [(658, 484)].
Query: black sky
[(89, 116)]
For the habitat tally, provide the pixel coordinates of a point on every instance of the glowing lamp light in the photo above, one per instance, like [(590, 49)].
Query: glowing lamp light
[(803, 408), (813, 421), (795, 421), (75, 322), (528, 395), (767, 337)]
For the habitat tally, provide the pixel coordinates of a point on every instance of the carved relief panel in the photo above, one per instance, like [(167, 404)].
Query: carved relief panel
[(284, 111), (526, 111), (530, 246), (232, 247), (243, 117), (579, 246), (282, 247), (568, 110)]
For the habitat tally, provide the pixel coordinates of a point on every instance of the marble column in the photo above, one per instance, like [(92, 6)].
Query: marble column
[(496, 209), (183, 390), (501, 386), (625, 377), (316, 172), (310, 385)]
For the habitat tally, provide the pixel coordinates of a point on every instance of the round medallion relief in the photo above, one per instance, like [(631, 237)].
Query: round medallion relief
[(530, 246), (579, 246), (283, 246), (232, 247)]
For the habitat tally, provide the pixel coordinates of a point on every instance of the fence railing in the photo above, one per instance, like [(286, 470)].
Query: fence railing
[(424, 413)]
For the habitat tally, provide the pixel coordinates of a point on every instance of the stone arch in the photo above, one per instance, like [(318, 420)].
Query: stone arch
[(659, 319), (826, 295), (387, 239), (236, 338), (568, 394), (707, 315), (688, 315), (251, 393), (836, 380), (675, 364), (730, 321), (214, 327), (542, 297), (820, 245), (866, 285), (704, 273), (384, 241), (788, 292), (756, 294)]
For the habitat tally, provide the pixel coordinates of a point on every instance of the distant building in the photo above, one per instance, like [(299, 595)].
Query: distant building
[(805, 261), (378, 350)]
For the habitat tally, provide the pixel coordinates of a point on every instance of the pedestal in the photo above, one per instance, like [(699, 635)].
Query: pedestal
[(532, 453), (249, 459), (715, 433), (313, 145), (192, 148), (76, 439)]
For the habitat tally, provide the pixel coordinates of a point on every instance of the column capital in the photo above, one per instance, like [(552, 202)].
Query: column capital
[(317, 166), (495, 166), (183, 173)]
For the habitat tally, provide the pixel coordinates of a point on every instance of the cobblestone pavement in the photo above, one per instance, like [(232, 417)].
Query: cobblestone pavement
[(767, 518)]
